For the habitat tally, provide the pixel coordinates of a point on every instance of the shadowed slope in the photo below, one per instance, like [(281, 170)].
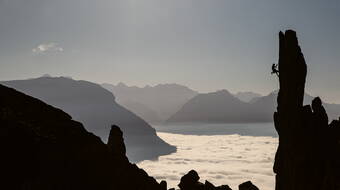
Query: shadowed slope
[(43, 148), (97, 109)]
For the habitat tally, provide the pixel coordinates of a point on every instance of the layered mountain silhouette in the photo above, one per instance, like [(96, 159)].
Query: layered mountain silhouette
[(224, 107), (173, 103), (247, 96), (266, 105), (219, 107), (143, 111), (97, 109), (44, 148), (153, 103)]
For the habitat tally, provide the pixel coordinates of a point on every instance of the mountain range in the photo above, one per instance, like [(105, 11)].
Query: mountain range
[(224, 107), (267, 104), (45, 148), (97, 109), (247, 96), (163, 103), (174, 103), (153, 103), (215, 107)]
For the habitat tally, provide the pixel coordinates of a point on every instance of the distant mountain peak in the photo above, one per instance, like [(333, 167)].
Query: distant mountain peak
[(223, 91), (121, 84), (220, 106), (247, 96), (46, 76), (171, 85), (156, 103)]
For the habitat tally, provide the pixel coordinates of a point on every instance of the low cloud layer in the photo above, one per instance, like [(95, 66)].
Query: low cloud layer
[(51, 47), (220, 159)]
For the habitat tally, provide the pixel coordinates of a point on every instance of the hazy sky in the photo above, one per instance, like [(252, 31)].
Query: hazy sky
[(205, 44)]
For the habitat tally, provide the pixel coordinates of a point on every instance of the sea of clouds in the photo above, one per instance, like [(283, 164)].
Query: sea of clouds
[(220, 159)]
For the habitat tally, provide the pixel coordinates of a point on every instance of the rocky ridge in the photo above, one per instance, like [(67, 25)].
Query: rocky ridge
[(96, 108), (308, 156)]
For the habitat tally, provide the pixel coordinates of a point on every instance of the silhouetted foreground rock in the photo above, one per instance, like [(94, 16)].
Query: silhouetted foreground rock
[(42, 148), (247, 186), (190, 182), (308, 156), (97, 109)]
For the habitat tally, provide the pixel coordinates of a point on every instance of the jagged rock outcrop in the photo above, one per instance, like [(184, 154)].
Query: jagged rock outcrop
[(247, 186), (116, 143), (308, 156), (43, 148), (190, 181), (164, 185)]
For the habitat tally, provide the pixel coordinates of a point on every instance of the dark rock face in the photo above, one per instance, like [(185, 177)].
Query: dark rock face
[(308, 156), (163, 185), (247, 186), (116, 143), (43, 148), (190, 182)]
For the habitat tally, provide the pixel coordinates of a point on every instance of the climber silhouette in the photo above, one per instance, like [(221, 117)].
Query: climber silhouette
[(274, 69)]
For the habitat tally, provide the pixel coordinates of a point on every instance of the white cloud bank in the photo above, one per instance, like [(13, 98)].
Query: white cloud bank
[(220, 159), (51, 47)]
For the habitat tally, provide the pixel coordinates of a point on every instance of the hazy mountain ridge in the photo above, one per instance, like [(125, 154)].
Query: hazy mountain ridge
[(162, 100), (247, 96), (220, 107), (97, 109), (216, 107), (142, 111), (223, 107), (267, 104)]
